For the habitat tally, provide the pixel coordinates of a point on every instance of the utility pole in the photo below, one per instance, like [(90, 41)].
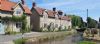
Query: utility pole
[(87, 25), (87, 18)]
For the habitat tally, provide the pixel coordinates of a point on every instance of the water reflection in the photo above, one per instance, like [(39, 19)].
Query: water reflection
[(67, 40)]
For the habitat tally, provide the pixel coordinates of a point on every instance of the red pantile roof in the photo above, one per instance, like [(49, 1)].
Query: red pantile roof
[(0, 1), (8, 5), (51, 13), (27, 10), (66, 18), (39, 10)]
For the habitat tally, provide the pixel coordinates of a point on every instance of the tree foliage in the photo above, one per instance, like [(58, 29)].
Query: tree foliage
[(77, 21), (99, 24), (91, 23)]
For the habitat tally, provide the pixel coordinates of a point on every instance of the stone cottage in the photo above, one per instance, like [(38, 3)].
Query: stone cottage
[(44, 19), (9, 9)]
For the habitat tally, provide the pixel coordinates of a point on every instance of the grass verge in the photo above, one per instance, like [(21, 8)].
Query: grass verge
[(45, 37), (20, 41), (86, 42)]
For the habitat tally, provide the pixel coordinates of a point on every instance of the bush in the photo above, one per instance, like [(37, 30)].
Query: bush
[(12, 33)]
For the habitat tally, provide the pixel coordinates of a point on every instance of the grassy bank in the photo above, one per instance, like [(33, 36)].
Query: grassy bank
[(86, 42), (42, 38)]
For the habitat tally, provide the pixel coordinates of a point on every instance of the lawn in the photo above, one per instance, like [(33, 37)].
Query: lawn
[(20, 41), (86, 42)]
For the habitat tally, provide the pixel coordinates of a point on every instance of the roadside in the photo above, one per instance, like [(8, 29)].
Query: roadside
[(9, 38), (45, 36)]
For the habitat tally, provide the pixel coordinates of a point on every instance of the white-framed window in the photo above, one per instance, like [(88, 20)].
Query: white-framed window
[(0, 21), (18, 24), (18, 11)]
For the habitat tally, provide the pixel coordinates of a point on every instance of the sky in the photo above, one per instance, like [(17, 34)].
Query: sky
[(77, 7)]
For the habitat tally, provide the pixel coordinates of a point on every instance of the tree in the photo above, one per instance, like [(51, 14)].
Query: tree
[(91, 22), (99, 24), (77, 21), (99, 19)]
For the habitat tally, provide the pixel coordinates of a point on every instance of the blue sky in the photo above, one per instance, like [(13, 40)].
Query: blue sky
[(77, 7)]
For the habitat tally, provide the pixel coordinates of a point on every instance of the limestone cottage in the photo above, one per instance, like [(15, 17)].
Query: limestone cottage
[(9, 9), (49, 20)]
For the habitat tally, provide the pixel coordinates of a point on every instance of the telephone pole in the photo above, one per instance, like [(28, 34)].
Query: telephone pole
[(87, 18)]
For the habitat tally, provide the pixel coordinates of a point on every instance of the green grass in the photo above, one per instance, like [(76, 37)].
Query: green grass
[(19, 41), (45, 37), (86, 42)]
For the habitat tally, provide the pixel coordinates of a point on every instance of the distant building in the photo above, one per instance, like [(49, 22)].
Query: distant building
[(8, 9), (43, 18)]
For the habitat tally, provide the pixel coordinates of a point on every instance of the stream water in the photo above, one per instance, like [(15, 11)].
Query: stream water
[(72, 39)]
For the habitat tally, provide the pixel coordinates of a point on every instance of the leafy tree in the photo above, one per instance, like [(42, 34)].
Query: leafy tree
[(99, 24), (91, 22), (77, 21)]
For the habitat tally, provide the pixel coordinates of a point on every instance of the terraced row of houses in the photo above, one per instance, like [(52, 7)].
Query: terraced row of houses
[(36, 19)]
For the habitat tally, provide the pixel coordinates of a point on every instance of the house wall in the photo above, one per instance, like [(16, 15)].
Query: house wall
[(66, 24), (16, 8), (19, 15), (46, 20), (35, 21), (38, 21), (5, 14), (63, 23), (28, 21), (12, 25)]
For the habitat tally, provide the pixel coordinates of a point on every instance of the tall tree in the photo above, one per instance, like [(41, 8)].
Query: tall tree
[(91, 22), (77, 21), (99, 24)]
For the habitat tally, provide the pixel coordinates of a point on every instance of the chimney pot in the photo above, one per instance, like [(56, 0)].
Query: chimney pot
[(23, 2), (34, 4), (54, 9)]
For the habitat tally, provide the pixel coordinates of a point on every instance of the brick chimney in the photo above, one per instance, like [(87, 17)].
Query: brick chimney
[(54, 9), (23, 2), (33, 4)]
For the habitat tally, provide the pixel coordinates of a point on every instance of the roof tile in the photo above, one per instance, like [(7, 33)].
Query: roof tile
[(51, 13), (8, 5)]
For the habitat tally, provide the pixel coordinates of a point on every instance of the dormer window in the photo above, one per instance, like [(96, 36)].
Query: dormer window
[(18, 11)]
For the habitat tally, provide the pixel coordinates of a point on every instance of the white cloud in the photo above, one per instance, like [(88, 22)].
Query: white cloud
[(59, 3)]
